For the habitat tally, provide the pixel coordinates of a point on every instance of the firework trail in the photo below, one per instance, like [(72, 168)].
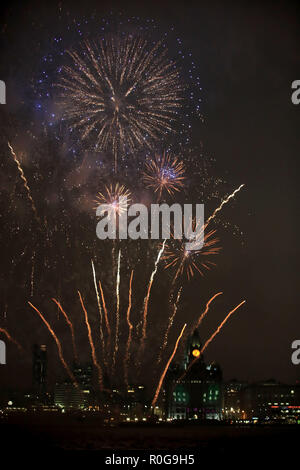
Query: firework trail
[(116, 197), (117, 311), (171, 320), (203, 314), (10, 338), (100, 313), (105, 317), (186, 261), (211, 338), (167, 367), (25, 182), (130, 327), (58, 344), (118, 90), (221, 325), (225, 201), (146, 300), (96, 363), (70, 326), (32, 275)]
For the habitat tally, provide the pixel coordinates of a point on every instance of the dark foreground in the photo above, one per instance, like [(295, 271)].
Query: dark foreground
[(25, 434)]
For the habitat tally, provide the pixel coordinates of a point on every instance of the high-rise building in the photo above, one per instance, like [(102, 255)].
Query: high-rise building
[(69, 397), (232, 392), (39, 368), (83, 374)]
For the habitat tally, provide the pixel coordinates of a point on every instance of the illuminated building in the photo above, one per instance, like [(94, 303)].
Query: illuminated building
[(198, 395), (232, 400), (68, 397), (83, 375), (271, 400), (135, 394), (127, 404)]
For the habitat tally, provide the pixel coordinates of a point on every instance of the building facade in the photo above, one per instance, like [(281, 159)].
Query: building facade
[(271, 400), (193, 389)]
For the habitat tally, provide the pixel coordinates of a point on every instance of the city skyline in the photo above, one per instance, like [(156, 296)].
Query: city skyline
[(244, 83)]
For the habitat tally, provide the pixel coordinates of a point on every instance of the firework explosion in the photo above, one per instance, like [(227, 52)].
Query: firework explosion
[(187, 262), (119, 92), (116, 197), (164, 174)]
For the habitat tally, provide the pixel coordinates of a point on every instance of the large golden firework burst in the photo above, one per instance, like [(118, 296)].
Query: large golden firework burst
[(121, 91)]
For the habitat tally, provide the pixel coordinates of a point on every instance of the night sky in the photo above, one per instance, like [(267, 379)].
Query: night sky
[(247, 55)]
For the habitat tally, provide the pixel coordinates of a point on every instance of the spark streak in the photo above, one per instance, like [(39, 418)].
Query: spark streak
[(58, 344), (117, 310), (130, 327), (25, 182), (211, 338), (70, 326), (10, 338), (32, 274), (167, 367), (100, 312), (203, 314), (221, 326), (225, 201), (171, 320), (105, 316), (96, 363), (146, 300)]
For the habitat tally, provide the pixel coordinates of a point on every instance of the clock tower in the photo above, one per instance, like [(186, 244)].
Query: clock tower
[(193, 349)]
